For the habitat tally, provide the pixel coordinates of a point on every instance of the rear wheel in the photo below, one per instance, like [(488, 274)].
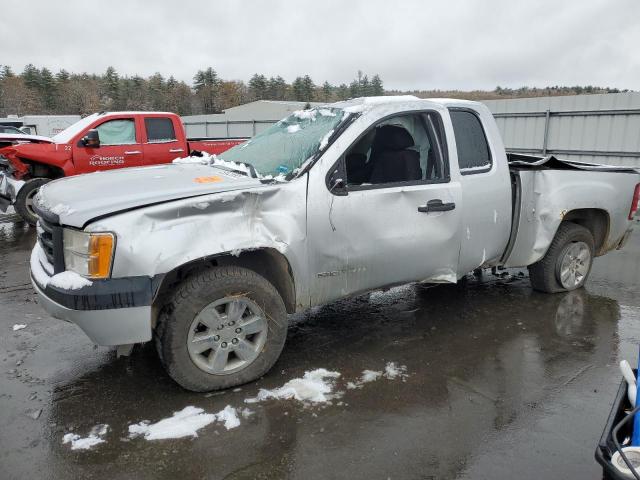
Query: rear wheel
[(26, 197), (223, 327), (567, 263)]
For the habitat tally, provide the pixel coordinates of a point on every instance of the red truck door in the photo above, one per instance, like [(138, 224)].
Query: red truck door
[(163, 140), (120, 146)]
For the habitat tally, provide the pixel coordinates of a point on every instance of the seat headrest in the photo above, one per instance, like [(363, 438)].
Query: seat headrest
[(392, 137)]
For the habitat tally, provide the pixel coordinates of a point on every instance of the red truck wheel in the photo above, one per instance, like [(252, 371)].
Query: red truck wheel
[(25, 198)]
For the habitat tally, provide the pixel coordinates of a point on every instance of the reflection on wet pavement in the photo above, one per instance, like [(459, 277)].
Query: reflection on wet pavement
[(503, 381)]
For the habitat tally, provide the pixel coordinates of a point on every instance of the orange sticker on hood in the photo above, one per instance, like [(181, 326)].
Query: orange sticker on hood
[(213, 179)]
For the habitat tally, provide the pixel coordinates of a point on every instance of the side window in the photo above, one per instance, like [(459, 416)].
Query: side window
[(159, 130), (474, 155), (117, 132), (401, 149)]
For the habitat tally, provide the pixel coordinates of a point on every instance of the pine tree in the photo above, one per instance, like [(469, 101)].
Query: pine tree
[(377, 88), (206, 83), (327, 92), (258, 87)]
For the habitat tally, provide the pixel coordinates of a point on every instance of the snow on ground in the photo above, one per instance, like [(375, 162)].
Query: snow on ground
[(184, 423), (95, 437), (18, 326), (293, 128), (315, 386), (367, 377), (392, 371)]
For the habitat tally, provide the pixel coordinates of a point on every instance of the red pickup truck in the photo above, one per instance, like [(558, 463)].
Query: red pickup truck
[(101, 141)]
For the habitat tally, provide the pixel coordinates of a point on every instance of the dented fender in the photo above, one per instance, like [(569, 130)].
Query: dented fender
[(160, 238)]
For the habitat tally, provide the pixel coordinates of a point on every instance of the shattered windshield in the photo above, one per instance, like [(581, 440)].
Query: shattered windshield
[(284, 147)]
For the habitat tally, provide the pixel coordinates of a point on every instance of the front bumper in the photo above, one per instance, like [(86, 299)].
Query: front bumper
[(104, 326), (9, 188)]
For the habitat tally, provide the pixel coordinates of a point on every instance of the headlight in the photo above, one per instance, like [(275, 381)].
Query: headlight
[(89, 254)]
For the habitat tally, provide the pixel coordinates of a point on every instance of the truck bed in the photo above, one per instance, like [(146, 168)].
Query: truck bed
[(544, 189)]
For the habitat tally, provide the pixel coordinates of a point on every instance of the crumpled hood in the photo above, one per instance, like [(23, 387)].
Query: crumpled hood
[(79, 199)]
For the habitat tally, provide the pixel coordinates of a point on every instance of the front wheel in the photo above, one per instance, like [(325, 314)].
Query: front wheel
[(26, 197), (223, 327), (567, 263)]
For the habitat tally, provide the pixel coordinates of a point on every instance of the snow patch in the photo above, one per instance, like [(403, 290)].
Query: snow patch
[(18, 326), (184, 423), (392, 371), (293, 128), (315, 386), (486, 166), (325, 140), (61, 209), (325, 112), (201, 205), (366, 377), (69, 280), (94, 438), (306, 114)]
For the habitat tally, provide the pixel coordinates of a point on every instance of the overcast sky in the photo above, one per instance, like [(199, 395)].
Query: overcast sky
[(470, 44)]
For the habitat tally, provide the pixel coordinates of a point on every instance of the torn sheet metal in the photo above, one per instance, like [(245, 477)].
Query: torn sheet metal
[(552, 162)]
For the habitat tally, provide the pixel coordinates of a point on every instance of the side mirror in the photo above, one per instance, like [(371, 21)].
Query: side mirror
[(336, 184), (91, 139)]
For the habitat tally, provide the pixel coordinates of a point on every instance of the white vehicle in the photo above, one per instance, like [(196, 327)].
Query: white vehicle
[(209, 257)]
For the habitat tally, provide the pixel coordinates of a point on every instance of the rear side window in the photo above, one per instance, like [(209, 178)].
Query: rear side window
[(474, 155), (159, 130)]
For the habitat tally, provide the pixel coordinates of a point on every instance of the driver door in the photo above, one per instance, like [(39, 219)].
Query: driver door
[(120, 146), (395, 221)]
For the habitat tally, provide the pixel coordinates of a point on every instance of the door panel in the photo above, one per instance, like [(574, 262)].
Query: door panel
[(372, 238), (161, 143), (120, 147)]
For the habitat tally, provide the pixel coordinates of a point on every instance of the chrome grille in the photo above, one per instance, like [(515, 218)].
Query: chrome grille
[(45, 239)]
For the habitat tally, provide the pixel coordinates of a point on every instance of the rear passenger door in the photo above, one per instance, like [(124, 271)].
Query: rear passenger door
[(486, 188), (161, 142)]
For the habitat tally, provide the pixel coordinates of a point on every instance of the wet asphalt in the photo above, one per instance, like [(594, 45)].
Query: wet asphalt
[(504, 382)]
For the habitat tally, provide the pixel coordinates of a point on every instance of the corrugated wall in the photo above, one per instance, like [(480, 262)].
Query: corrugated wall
[(589, 128)]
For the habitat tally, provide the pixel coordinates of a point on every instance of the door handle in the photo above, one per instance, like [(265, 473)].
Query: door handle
[(436, 206), (133, 152), (176, 150)]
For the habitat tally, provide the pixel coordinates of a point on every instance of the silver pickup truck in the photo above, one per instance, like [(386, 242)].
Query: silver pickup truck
[(208, 255)]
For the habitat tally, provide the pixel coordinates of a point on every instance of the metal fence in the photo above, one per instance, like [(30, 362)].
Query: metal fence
[(226, 128)]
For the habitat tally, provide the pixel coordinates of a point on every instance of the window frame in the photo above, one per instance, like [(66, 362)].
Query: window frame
[(135, 132), (486, 140), (441, 138), (146, 131)]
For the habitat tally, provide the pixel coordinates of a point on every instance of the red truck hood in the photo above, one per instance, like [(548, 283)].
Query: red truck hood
[(77, 200), (44, 152)]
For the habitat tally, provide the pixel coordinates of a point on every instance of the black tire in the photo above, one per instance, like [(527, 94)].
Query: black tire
[(25, 196), (194, 294), (545, 273)]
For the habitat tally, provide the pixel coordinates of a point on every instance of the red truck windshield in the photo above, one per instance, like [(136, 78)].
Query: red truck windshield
[(68, 133)]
